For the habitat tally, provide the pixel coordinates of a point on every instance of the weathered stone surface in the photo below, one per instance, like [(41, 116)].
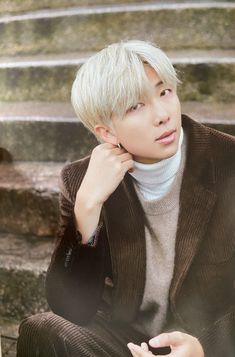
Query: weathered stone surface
[(47, 137), (48, 83), (206, 77), (172, 26), (45, 140), (29, 198), (9, 347), (9, 6), (9, 334), (23, 263), (208, 82)]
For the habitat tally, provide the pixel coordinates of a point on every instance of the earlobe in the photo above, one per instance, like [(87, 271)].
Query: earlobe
[(106, 134)]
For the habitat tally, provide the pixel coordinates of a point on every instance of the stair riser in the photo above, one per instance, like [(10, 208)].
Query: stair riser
[(55, 141), (206, 82), (28, 211), (22, 293), (170, 28), (23, 264), (45, 141)]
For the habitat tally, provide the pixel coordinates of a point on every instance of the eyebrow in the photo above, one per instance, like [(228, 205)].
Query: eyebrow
[(158, 84)]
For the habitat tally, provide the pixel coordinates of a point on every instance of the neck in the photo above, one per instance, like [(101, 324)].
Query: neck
[(155, 180)]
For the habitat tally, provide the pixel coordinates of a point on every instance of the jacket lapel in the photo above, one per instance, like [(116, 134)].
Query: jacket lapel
[(196, 207), (125, 230), (126, 226), (197, 200)]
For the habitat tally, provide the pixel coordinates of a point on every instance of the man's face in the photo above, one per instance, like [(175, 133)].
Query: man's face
[(150, 130)]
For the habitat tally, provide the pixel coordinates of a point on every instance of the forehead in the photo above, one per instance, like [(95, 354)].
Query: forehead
[(152, 75)]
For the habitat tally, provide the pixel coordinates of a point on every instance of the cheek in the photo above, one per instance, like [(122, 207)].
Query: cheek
[(135, 145), (129, 134), (176, 104)]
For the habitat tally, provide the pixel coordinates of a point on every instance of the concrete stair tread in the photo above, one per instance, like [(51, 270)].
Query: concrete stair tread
[(48, 31), (9, 327), (78, 58), (112, 8), (209, 113), (41, 111), (37, 110), (9, 333), (35, 176), (26, 6), (28, 253)]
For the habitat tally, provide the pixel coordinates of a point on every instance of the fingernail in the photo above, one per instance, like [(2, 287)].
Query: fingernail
[(154, 342), (133, 347)]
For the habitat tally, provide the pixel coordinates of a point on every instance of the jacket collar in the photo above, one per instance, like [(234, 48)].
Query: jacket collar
[(125, 225)]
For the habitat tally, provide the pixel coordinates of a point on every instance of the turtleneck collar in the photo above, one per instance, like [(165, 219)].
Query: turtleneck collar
[(154, 180)]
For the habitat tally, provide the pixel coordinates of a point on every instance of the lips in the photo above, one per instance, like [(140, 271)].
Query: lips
[(166, 134)]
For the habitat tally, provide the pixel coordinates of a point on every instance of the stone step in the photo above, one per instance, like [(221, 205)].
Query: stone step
[(29, 190), (172, 25), (58, 139), (45, 136), (8, 7), (207, 76), (29, 198), (32, 5), (23, 264), (9, 335)]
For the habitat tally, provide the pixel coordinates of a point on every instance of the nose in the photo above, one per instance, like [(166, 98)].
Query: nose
[(160, 114)]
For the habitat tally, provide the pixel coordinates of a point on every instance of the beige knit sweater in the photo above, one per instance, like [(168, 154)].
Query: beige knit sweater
[(162, 215)]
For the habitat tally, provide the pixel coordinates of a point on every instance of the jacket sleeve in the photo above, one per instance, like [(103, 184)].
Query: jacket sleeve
[(219, 339), (75, 278)]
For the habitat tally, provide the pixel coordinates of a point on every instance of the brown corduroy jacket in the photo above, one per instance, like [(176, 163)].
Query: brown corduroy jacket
[(202, 292)]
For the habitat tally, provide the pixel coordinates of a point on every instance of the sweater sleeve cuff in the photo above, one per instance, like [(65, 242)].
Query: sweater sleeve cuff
[(92, 241)]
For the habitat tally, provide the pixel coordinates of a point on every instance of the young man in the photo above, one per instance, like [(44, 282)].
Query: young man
[(146, 249)]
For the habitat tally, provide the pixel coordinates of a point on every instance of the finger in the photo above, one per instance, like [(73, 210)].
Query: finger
[(138, 351), (108, 146), (175, 338), (128, 165), (144, 346), (131, 347), (125, 157), (118, 151)]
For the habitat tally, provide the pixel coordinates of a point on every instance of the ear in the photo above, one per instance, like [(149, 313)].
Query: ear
[(107, 134)]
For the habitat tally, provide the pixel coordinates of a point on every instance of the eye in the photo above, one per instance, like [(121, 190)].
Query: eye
[(165, 92), (135, 107)]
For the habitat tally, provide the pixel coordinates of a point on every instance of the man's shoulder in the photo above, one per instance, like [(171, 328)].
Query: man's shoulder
[(217, 143), (210, 152), (76, 167), (72, 175)]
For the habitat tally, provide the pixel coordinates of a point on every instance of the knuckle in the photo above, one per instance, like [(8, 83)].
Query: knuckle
[(96, 149), (165, 338), (118, 166), (179, 335)]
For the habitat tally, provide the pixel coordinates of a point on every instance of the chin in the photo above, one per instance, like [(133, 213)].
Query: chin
[(170, 153)]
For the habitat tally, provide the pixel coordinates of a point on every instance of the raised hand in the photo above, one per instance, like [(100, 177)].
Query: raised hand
[(139, 351), (107, 167), (182, 345)]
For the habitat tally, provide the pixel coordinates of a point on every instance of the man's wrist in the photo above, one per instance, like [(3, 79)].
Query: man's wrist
[(87, 201)]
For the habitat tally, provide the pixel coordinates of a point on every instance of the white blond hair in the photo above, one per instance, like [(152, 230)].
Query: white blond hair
[(113, 80)]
